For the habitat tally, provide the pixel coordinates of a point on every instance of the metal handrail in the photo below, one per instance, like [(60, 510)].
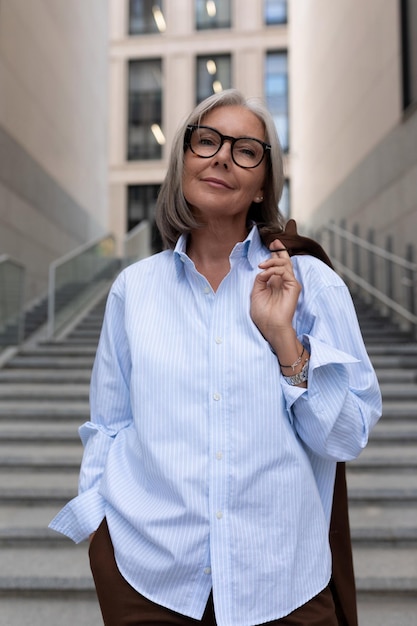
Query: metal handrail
[(76, 277), (380, 275), (371, 247), (12, 297)]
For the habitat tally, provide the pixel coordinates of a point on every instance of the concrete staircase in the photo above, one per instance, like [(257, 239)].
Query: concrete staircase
[(383, 484), (45, 579)]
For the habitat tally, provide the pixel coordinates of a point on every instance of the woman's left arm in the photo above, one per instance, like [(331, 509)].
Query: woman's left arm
[(336, 408)]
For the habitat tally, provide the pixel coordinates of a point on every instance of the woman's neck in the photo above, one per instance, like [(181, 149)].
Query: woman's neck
[(210, 250)]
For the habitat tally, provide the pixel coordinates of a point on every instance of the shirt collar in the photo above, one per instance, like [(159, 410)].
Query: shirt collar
[(252, 249)]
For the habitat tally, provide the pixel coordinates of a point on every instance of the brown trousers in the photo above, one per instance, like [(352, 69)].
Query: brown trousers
[(121, 605)]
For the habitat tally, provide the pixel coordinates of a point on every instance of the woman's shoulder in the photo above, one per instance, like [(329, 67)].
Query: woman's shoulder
[(149, 263), (310, 270), (142, 271)]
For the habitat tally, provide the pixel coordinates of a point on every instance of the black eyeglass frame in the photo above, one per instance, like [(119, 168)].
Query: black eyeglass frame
[(192, 127)]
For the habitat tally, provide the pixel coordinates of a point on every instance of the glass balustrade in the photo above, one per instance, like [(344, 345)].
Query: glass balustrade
[(12, 293)]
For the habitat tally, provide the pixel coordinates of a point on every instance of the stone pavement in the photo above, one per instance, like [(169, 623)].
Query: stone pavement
[(45, 579)]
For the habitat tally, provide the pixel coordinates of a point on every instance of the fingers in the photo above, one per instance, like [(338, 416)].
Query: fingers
[(278, 266), (278, 253), (278, 248)]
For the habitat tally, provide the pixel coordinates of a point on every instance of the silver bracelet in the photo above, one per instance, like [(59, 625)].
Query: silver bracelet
[(299, 378), (297, 362)]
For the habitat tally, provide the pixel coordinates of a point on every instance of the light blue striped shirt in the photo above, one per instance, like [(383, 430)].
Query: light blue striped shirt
[(212, 471)]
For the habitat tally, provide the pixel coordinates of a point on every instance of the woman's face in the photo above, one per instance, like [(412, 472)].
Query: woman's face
[(216, 187)]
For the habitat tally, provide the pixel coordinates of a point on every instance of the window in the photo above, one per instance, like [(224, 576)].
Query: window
[(213, 14), (145, 135), (141, 201), (213, 75), (409, 51), (275, 12), (276, 93), (146, 16)]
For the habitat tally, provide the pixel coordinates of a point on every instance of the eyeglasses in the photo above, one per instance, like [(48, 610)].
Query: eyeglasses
[(205, 142)]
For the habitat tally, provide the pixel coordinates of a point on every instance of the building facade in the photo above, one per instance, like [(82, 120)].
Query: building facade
[(53, 130), (167, 56), (353, 70)]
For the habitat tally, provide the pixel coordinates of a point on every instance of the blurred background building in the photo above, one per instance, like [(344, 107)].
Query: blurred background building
[(53, 130), (354, 117), (91, 94), (166, 57)]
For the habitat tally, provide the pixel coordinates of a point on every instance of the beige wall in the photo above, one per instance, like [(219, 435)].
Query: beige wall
[(247, 41), (353, 151), (53, 129)]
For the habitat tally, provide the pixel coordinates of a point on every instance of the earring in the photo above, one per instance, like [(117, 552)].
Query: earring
[(259, 199)]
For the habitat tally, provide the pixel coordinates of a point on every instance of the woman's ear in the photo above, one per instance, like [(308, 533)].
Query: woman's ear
[(259, 196)]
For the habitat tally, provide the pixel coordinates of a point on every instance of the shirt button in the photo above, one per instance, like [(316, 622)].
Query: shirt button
[(206, 289), (219, 514), (219, 456), (216, 396), (219, 340), (207, 570)]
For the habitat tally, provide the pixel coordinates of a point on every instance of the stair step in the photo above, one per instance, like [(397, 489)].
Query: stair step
[(23, 482), (378, 349), (65, 608), (399, 391), (382, 609), (44, 568), (22, 432), (393, 375), (47, 376), (33, 452), (46, 410), (21, 392), (19, 519), (386, 569), (46, 361), (394, 431), (385, 459)]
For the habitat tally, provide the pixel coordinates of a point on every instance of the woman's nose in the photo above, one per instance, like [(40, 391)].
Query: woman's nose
[(224, 155)]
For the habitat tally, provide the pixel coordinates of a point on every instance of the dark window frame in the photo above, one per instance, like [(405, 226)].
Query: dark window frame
[(275, 22), (286, 139), (144, 109), (150, 27), (201, 94), (213, 23), (408, 54)]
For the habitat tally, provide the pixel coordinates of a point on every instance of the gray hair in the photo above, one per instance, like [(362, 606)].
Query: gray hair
[(174, 216)]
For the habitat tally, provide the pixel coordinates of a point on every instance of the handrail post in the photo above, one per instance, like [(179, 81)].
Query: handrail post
[(51, 302), (371, 261), (389, 279), (411, 279), (343, 243), (356, 257), (332, 250)]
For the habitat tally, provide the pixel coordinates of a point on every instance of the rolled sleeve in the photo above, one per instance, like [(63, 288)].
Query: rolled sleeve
[(335, 413)]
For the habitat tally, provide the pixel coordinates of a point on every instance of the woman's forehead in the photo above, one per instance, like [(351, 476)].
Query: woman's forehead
[(234, 120)]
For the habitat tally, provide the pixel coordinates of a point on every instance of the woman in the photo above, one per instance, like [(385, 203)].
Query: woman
[(229, 381)]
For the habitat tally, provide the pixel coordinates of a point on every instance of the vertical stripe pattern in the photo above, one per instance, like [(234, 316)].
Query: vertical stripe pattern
[(212, 472)]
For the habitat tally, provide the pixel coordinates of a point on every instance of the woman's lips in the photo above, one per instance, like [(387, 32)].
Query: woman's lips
[(217, 182)]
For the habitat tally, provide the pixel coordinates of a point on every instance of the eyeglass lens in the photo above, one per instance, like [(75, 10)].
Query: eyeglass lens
[(246, 152)]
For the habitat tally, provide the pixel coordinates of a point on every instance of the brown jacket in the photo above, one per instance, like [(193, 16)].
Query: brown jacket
[(343, 580)]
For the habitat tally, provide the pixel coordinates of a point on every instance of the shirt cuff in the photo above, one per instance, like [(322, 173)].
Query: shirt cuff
[(81, 516), (320, 354)]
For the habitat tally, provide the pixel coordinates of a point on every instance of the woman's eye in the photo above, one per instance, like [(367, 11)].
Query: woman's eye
[(206, 141), (247, 151)]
